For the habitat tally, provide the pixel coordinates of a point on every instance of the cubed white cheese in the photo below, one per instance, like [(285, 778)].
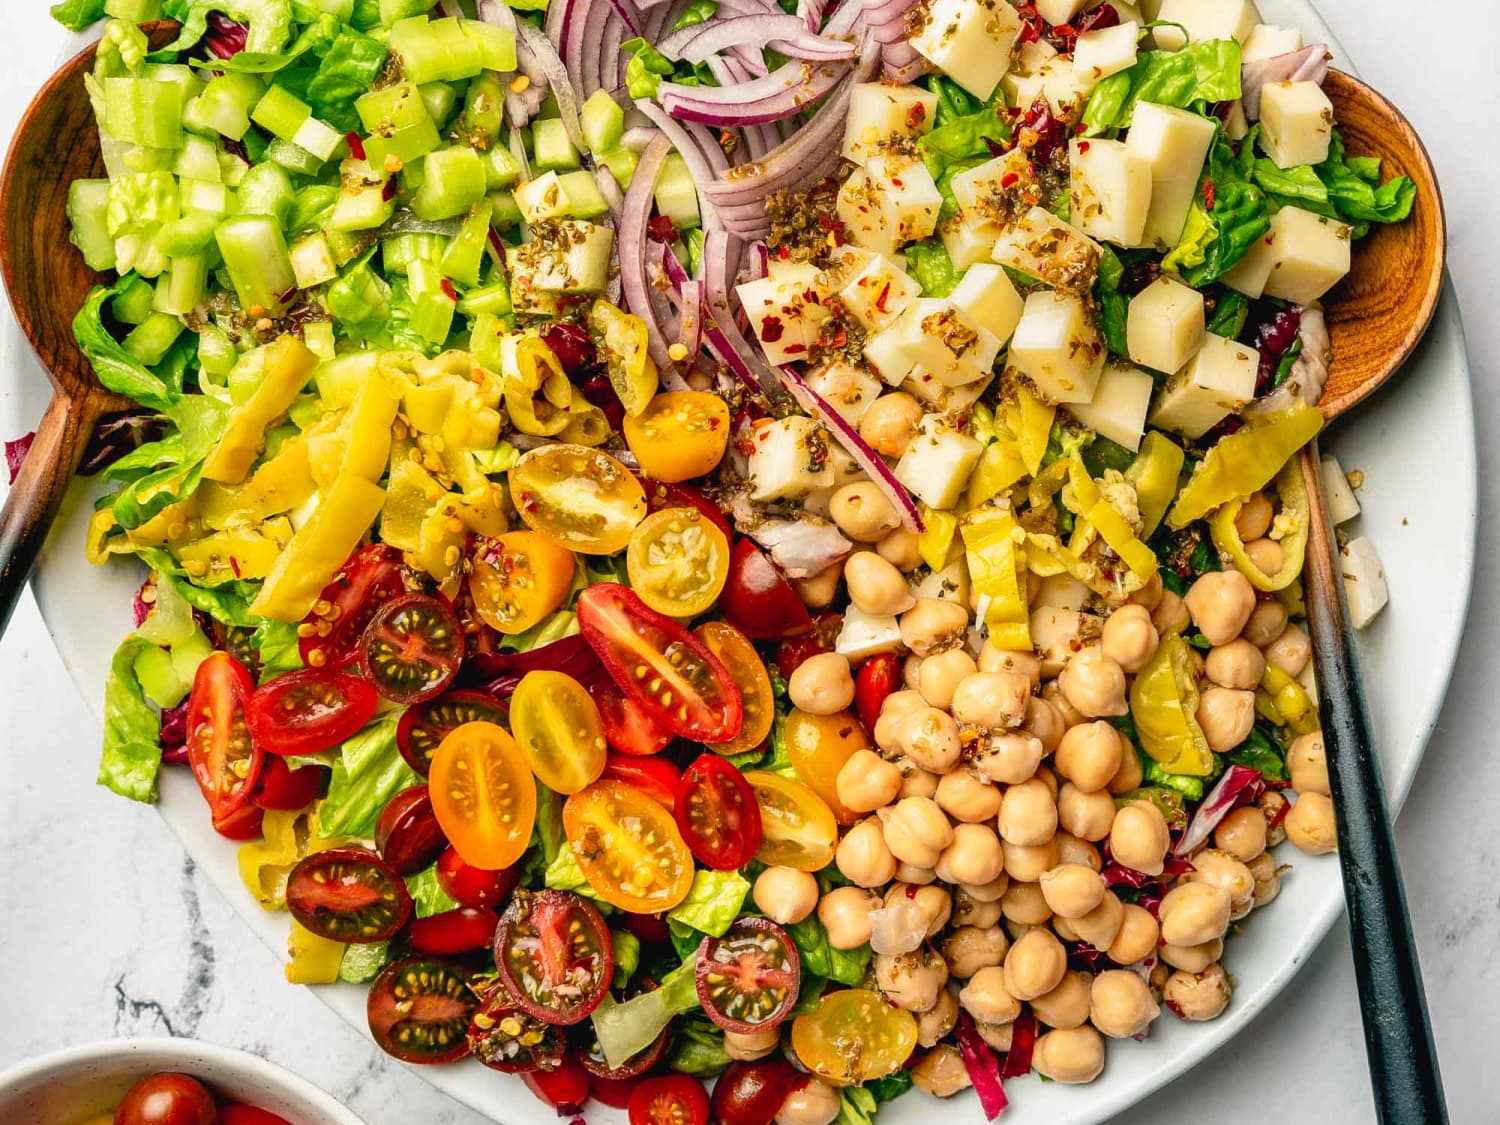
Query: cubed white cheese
[(889, 202), (1057, 347), (1119, 406), (969, 238), (866, 634), (976, 189), (938, 336), (1164, 326), (1217, 381), (1020, 78), (1205, 19), (939, 396), (1266, 41), (1041, 245), (1342, 506), (1174, 143), (575, 258), (789, 458), (1310, 254), (1296, 123), (1061, 591), (785, 316), (1110, 189), (847, 388), (1056, 634), (1064, 88), (861, 208), (988, 296), (542, 198), (1129, 13), (1249, 274), (948, 584), (969, 41), (1364, 581), (1236, 124), (880, 112), (1060, 11), (878, 292), (1098, 54), (936, 465)]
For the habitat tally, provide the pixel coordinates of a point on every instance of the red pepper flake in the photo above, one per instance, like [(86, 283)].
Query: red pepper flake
[(771, 329), (840, 337), (356, 145), (1009, 179), (783, 252), (388, 192), (1083, 147), (885, 291), (234, 565), (662, 229), (450, 292), (915, 115), (1209, 194), (896, 181), (795, 349)]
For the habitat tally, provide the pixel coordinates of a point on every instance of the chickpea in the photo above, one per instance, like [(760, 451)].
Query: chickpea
[(1267, 878), (1267, 622), (1009, 759), (912, 980), (933, 625), (1120, 1004), (911, 673), (1072, 890), (1138, 936), (1035, 965), (785, 895), (1063, 928), (974, 858), (1052, 693), (1223, 870), (1254, 517), (997, 1035), (1226, 717), (1220, 603), (1171, 614), (897, 708), (1045, 775), (1027, 664), (751, 1045), (1310, 824), (967, 798), (1139, 838), (1149, 595), (818, 591), (1094, 684), (970, 911), (1028, 814), (1067, 1005), (1044, 720), (941, 1072), (863, 857), (875, 586), (1129, 638), (1266, 555), (1130, 773), (813, 1102), (930, 905), (941, 674), (992, 891), (1274, 806), (916, 782), (1087, 816), (929, 737), (988, 998), (899, 548), (1074, 1056), (1197, 996), (1242, 834), (969, 949), (1072, 849), (862, 512), (1237, 665), (866, 782), (1026, 862), (889, 422), (845, 914), (1192, 913), (1101, 925), (1291, 651), (1192, 958), (1307, 762), (916, 831), (991, 699), (938, 1021), (822, 684), (1025, 903), (1090, 754)]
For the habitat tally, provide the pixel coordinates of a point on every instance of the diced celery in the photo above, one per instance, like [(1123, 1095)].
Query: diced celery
[(184, 285), (441, 100), (433, 310), (361, 208), (346, 245), (266, 190), (403, 147), (294, 158), (393, 10), (312, 261), (142, 111), (150, 340), (198, 160), (500, 168), (484, 107), (553, 148), (177, 73), (140, 158), (585, 200), (232, 169), (464, 257), (139, 252), (621, 162), (281, 113), (603, 121), (189, 235), (496, 44), (399, 252), (394, 107), (141, 202), (542, 198), (216, 351), (135, 11), (435, 50), (676, 194), (507, 211), (453, 181), (88, 205), (132, 305), (200, 197), (486, 340), (492, 300), (256, 258), (224, 106), (318, 138), (318, 336)]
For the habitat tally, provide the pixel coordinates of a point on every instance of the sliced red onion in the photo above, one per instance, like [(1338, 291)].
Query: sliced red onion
[(845, 20), (811, 13), (1307, 65), (517, 149), (720, 263), (632, 248), (878, 13), (449, 9), (898, 54), (750, 60), (705, 159), (690, 322), (609, 187), (802, 547), (1238, 786), (611, 67), (889, 33), (628, 12), (534, 43), (783, 93), (982, 1065), (714, 35)]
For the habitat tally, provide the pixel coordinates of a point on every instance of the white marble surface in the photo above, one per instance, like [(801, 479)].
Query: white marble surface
[(108, 931)]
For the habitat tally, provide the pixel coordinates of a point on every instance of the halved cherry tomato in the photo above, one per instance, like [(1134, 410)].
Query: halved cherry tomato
[(628, 847), (225, 760), (557, 726), (330, 635), (249, 1115), (799, 829), (758, 600), (614, 1092), (853, 1036), (474, 886), (656, 776), (627, 726), (564, 1087), (419, 1010), (818, 746), (245, 823), (670, 1099), (651, 929), (748, 979), (678, 561), (309, 710), (507, 1039), (287, 789), (825, 632), (412, 648), (718, 814), (876, 679), (660, 494), (680, 435), (555, 955), (751, 1093), (757, 697), (658, 663), (484, 795), (407, 833), (586, 1047), (518, 579), (167, 1099), (479, 638), (580, 497), (453, 931), (424, 725), (349, 895)]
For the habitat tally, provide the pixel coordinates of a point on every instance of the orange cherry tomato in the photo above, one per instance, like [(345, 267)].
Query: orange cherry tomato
[(483, 795), (628, 847), (579, 497), (854, 1036), (518, 579), (678, 562), (680, 435), (797, 825), (559, 730), (818, 746), (736, 653)]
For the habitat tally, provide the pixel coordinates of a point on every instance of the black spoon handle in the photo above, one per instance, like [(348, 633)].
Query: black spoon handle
[(1398, 1034)]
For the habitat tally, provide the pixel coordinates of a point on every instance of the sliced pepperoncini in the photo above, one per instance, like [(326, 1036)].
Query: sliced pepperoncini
[(279, 485), (993, 543), (621, 340), (1094, 507), (537, 391), (937, 538), (1289, 699), (1155, 473), (287, 837), (1291, 522), (288, 365), (1164, 705), (312, 959), (240, 553), (1032, 427), (1244, 462)]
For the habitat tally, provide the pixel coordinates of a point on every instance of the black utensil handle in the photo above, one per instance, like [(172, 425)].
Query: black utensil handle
[(1398, 1034)]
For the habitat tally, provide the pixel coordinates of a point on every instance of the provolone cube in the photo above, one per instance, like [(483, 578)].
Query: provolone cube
[(1342, 506), (848, 388), (988, 296), (1175, 144), (1064, 88), (947, 342), (1041, 245), (866, 634), (1098, 54), (1205, 19), (1296, 123), (785, 316), (1057, 347), (1060, 11), (1218, 380), (938, 396), (542, 198), (1249, 274), (1118, 410), (1164, 326), (880, 113), (1311, 255), (1020, 78), (1236, 124), (906, 195), (788, 459), (969, 41), (950, 584), (976, 189), (1061, 591), (936, 465), (861, 208), (877, 293), (1364, 581), (1110, 189), (969, 238), (1056, 634), (1266, 41)]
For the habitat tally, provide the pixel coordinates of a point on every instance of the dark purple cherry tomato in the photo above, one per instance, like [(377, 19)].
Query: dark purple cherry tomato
[(474, 886), (419, 1010), (349, 895), (408, 835)]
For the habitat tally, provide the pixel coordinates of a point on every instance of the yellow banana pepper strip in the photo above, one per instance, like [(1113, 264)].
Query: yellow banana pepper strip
[(1155, 472), (313, 959), (319, 548), (286, 837), (537, 392), (1000, 466), (278, 486), (1164, 704), (1292, 521), (934, 543), (997, 569), (1111, 525), (1290, 699), (1035, 429), (622, 340), (246, 553), (289, 364), (1244, 462)]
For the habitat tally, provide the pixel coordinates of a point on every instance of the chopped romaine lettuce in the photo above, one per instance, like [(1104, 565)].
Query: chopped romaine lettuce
[(427, 894), (132, 728), (368, 773), (626, 1028), (713, 903)]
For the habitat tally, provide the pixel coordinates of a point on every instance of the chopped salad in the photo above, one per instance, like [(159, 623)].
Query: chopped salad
[(700, 540)]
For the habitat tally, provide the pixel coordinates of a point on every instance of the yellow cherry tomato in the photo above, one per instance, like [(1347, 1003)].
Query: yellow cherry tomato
[(483, 795), (628, 847), (748, 671), (799, 827), (854, 1036), (680, 435), (518, 579), (819, 745), (579, 497), (559, 730), (678, 561)]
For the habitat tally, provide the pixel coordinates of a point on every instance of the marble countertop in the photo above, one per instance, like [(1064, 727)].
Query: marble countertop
[(109, 930)]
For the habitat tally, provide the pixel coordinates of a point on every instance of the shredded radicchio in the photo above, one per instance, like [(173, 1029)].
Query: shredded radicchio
[(224, 38), (1017, 1061), (140, 607), (1117, 874), (119, 434), (499, 672), (983, 1067), (174, 733), (1240, 785), (15, 454), (1272, 337)]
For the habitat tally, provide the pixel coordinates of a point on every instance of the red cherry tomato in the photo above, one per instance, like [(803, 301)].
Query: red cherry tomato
[(225, 760), (372, 576), (412, 648), (282, 787), (408, 835), (877, 678), (657, 776), (758, 600), (627, 726), (349, 895), (671, 1099), (419, 1010), (660, 495), (751, 1093), (424, 726), (614, 1092), (566, 1088), (309, 710), (249, 1115), (718, 814), (554, 954), (748, 979), (474, 886), (453, 931), (650, 929), (244, 823), (825, 631), (167, 1099)]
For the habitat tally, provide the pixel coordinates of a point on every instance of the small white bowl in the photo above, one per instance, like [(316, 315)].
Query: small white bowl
[(67, 1086)]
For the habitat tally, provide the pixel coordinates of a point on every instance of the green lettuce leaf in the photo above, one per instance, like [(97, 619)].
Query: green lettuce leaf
[(76, 15), (847, 966), (1208, 71), (118, 369), (348, 68), (929, 263), (698, 1048), (368, 773), (1300, 184), (427, 894), (132, 728), (362, 963), (269, 21), (563, 874), (1231, 310), (953, 100), (856, 1106), (1261, 751), (1342, 187), (276, 642), (713, 903), (627, 950), (628, 1027), (891, 1087), (646, 68)]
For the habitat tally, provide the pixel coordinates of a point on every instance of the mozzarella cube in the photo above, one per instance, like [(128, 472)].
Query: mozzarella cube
[(1057, 347), (969, 238), (866, 634), (950, 584), (1205, 19), (912, 199), (845, 387), (936, 465), (1364, 581), (1064, 88), (969, 41), (975, 189), (1236, 123), (861, 208), (1296, 123), (1174, 144), (789, 459), (1300, 258), (938, 336), (1110, 189), (1165, 324), (542, 198), (785, 316), (1341, 504), (1218, 380), (1098, 54), (988, 297), (1250, 273), (880, 113), (1060, 11), (1266, 41), (1041, 245), (1061, 591), (876, 294), (1119, 407), (938, 396), (1021, 78), (1056, 634)]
